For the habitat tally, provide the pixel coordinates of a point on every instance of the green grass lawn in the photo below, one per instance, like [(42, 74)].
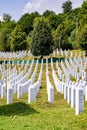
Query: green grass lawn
[(41, 115)]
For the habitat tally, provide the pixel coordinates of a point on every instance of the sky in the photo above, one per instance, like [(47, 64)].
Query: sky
[(16, 8)]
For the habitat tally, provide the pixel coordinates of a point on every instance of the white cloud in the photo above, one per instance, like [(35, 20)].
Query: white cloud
[(77, 3), (1, 18), (42, 5)]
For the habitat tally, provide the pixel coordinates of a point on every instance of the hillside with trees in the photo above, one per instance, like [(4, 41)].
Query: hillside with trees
[(45, 31)]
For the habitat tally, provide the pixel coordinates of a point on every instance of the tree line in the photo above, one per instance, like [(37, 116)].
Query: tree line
[(43, 33)]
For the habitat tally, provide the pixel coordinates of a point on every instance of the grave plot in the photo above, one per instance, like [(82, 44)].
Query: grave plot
[(14, 76), (50, 88), (10, 55), (73, 92), (20, 80), (24, 78), (34, 87)]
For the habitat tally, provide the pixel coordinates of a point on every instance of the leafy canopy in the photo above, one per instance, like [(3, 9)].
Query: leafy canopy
[(41, 39), (18, 39), (83, 38), (67, 6)]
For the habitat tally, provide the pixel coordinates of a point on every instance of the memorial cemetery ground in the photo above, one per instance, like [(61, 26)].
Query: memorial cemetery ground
[(21, 114)]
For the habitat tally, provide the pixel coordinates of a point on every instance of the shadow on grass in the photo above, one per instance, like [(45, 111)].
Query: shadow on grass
[(18, 108)]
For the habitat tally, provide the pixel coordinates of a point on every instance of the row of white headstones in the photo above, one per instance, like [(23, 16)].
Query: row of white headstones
[(18, 54), (22, 54), (68, 53), (73, 91), (19, 82)]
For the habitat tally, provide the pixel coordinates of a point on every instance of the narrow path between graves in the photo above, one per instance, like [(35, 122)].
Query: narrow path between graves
[(42, 97), (42, 94)]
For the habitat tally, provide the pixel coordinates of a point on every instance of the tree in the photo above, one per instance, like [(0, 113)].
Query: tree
[(67, 6), (42, 41), (3, 39), (84, 7), (5, 32), (6, 17), (18, 39), (52, 20), (26, 22), (83, 38), (61, 34), (47, 13), (28, 40)]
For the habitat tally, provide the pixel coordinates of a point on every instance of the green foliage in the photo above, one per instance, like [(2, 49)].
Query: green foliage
[(60, 18), (72, 39), (26, 22), (61, 33), (75, 12), (42, 41), (83, 20), (52, 20), (84, 7), (6, 18), (67, 6), (29, 40), (18, 39), (83, 38), (47, 13), (64, 41), (3, 39), (5, 31), (66, 25)]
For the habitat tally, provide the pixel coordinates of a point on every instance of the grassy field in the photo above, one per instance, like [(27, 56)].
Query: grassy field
[(41, 115)]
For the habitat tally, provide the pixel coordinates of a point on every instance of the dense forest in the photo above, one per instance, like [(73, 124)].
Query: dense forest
[(43, 33)]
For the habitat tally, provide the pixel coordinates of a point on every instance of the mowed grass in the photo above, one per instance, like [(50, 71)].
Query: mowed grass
[(41, 115)]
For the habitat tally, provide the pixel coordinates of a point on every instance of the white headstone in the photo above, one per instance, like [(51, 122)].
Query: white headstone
[(51, 95), (69, 93), (79, 106), (3, 90), (65, 91), (30, 95), (19, 91), (73, 91), (9, 95)]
